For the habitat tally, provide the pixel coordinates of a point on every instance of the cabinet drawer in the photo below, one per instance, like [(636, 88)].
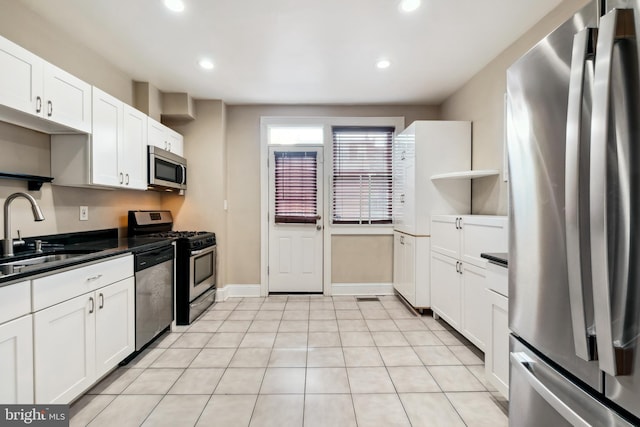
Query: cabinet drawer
[(482, 233), (15, 301), (498, 279), (56, 288), (445, 235)]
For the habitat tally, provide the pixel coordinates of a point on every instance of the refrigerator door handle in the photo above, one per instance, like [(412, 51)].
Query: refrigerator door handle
[(613, 358), (575, 216), (524, 366)]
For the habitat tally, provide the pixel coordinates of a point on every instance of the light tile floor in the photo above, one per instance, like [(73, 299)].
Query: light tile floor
[(309, 361)]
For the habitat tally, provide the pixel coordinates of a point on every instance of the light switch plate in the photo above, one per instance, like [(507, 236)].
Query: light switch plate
[(84, 213)]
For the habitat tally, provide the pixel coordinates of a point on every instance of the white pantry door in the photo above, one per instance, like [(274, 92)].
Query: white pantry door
[(295, 222)]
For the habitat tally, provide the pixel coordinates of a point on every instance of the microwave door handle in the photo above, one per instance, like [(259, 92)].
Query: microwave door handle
[(613, 358), (183, 175), (575, 213)]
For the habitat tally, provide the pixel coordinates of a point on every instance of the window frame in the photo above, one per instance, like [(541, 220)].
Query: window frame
[(345, 130), (328, 122)]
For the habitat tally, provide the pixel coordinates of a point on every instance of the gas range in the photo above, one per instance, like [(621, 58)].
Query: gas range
[(191, 239), (196, 255)]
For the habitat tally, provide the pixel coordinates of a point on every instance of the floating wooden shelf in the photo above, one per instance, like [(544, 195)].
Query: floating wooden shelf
[(34, 182), (480, 173)]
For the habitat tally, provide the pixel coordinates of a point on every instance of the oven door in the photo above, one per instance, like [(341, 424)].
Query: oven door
[(202, 271)]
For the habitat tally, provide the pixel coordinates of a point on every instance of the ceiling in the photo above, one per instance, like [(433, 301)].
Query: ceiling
[(299, 51)]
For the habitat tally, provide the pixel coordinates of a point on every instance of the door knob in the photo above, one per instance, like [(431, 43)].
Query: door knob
[(318, 227)]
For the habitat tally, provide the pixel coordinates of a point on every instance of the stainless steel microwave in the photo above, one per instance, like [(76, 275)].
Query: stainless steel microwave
[(167, 171)]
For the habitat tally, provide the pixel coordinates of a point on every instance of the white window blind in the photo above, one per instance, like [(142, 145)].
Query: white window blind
[(296, 187), (362, 175)]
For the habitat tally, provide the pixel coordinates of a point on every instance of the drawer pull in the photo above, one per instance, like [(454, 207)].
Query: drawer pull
[(92, 278)]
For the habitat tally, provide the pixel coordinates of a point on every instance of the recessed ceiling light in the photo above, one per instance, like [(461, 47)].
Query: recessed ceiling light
[(383, 63), (409, 5), (174, 5), (206, 64)]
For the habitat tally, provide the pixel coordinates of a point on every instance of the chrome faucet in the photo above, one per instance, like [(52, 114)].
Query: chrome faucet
[(7, 243)]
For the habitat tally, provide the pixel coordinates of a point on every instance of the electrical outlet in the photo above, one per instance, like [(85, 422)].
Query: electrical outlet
[(84, 213)]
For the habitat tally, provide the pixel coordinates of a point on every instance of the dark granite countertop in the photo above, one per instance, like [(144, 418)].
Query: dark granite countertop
[(498, 258), (85, 247)]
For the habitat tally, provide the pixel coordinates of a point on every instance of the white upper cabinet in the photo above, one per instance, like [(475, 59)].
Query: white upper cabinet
[(106, 139), (21, 85), (67, 99), (41, 96), (423, 149), (133, 151), (165, 138), (119, 143), (113, 156)]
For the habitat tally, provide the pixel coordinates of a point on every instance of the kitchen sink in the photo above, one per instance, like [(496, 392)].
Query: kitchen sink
[(17, 265), (41, 259)]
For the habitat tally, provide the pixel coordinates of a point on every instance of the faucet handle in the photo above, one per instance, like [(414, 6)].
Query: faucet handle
[(18, 242), (38, 246)]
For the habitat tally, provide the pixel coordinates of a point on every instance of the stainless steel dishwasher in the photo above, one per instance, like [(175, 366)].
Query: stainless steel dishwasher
[(154, 293)]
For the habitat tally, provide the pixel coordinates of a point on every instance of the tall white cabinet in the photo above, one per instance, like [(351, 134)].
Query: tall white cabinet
[(424, 149)]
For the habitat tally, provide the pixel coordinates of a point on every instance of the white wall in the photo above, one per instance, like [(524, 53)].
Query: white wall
[(481, 100)]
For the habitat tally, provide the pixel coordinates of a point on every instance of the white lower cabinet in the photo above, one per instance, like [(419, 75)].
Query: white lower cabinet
[(79, 340), (64, 350), (411, 268), (115, 325), (496, 357), (459, 274), (475, 325), (446, 289), (16, 354)]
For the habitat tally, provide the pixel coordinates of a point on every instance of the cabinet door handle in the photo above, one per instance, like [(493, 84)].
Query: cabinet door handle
[(403, 156), (101, 296), (93, 305), (166, 145), (49, 108), (457, 264), (38, 104), (460, 223), (127, 179), (402, 198), (169, 146), (457, 224), (460, 268), (121, 178), (402, 240)]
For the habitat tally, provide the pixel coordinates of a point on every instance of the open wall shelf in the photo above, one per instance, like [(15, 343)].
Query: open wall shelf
[(480, 173), (34, 182)]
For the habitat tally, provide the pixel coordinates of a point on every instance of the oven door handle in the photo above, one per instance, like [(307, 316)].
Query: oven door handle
[(201, 251)]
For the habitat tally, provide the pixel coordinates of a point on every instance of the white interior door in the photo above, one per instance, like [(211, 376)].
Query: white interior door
[(295, 222)]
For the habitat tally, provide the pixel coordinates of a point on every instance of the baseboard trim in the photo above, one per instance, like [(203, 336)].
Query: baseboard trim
[(362, 289), (231, 290), (253, 291)]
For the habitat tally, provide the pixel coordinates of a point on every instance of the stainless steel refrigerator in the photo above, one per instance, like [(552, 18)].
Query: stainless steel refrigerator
[(573, 136)]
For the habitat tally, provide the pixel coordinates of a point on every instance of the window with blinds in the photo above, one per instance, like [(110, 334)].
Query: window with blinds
[(296, 187), (362, 175)]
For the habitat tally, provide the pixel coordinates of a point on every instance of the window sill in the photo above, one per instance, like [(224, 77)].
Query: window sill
[(372, 230)]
